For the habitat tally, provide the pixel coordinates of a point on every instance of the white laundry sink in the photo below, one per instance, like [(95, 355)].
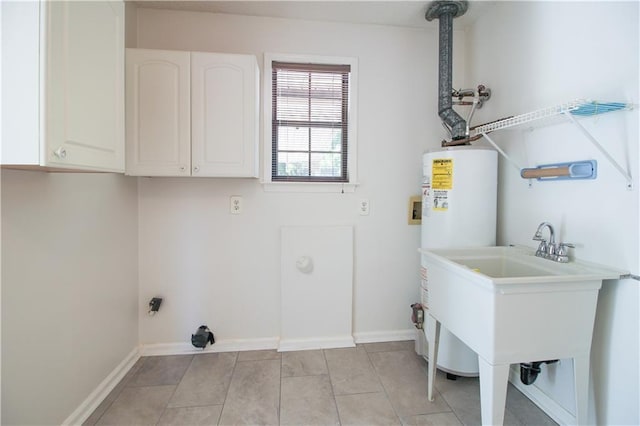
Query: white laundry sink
[(511, 265), (510, 306)]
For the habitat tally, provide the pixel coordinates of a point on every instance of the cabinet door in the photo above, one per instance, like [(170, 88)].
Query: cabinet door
[(158, 113), (84, 85), (224, 120)]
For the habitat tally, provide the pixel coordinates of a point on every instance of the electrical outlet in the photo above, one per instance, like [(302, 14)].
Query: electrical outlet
[(363, 207), (235, 204)]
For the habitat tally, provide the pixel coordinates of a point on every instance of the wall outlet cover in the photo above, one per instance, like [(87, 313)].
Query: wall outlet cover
[(363, 207), (235, 204)]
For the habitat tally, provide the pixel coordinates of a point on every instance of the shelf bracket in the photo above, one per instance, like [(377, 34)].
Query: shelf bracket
[(603, 151), (506, 157)]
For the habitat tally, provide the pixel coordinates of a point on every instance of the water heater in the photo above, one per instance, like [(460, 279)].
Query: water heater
[(459, 202)]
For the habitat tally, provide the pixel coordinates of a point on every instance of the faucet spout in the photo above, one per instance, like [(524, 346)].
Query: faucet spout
[(538, 234), (545, 249)]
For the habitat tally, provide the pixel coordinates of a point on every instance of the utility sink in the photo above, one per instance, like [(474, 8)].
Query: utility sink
[(517, 265), (510, 306)]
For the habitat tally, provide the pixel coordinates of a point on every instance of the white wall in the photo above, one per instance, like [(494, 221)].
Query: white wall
[(69, 290), (212, 266), (538, 54)]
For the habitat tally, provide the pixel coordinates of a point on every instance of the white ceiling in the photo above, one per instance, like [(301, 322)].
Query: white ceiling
[(401, 13)]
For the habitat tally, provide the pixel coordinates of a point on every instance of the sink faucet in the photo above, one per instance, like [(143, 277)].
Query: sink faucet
[(549, 250), (545, 249)]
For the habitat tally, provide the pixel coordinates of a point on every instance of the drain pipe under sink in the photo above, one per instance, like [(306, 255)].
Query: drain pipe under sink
[(529, 370)]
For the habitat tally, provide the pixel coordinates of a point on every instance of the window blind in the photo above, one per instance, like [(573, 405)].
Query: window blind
[(310, 122)]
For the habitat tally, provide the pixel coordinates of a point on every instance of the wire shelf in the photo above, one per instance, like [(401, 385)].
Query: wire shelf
[(566, 112), (554, 114)]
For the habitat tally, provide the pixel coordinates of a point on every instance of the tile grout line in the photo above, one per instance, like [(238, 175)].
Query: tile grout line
[(384, 389), (333, 394), (175, 389), (450, 409), (445, 400), (226, 393), (437, 392)]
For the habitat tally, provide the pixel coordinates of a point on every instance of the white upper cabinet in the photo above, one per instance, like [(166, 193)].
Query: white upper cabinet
[(224, 115), (63, 85), (191, 114), (158, 109)]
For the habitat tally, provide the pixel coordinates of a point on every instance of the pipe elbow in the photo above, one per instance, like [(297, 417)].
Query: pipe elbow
[(456, 124)]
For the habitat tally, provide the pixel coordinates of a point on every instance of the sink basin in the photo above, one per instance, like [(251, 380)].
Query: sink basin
[(504, 267), (496, 267), (510, 306)]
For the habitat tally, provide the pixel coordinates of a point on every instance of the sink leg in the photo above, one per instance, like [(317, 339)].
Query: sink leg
[(433, 338), (581, 377), (493, 391)]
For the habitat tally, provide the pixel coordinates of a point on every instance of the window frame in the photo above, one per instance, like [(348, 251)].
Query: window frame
[(309, 185)]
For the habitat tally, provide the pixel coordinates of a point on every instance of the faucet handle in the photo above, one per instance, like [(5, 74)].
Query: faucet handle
[(562, 248), (563, 252), (542, 248)]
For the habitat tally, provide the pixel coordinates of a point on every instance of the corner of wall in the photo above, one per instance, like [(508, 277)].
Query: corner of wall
[(102, 391), (130, 24)]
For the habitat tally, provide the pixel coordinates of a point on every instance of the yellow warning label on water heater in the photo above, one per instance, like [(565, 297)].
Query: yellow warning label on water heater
[(442, 174)]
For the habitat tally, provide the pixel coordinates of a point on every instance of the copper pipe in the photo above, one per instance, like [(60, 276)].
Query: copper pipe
[(465, 141)]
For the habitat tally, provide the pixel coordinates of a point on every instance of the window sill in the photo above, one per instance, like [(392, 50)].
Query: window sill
[(309, 187)]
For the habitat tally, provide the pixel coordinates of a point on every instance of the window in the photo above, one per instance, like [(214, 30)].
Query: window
[(310, 120)]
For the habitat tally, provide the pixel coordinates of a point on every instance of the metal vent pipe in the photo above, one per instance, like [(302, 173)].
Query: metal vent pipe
[(445, 11)]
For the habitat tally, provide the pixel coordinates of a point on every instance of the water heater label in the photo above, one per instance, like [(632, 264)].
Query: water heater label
[(440, 200), (441, 182), (442, 174)]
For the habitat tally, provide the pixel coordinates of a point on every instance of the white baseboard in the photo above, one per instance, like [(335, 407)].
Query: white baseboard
[(219, 346), (282, 345), (96, 397), (313, 343), (277, 343), (385, 336), (541, 399)]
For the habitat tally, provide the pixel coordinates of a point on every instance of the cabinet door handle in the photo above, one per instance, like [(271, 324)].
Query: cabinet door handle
[(60, 153), (196, 169), (183, 168)]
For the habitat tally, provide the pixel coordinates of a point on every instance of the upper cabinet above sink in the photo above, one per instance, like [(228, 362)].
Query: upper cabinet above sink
[(191, 114)]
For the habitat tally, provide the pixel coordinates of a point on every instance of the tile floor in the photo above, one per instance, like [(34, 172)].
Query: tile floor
[(371, 384)]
